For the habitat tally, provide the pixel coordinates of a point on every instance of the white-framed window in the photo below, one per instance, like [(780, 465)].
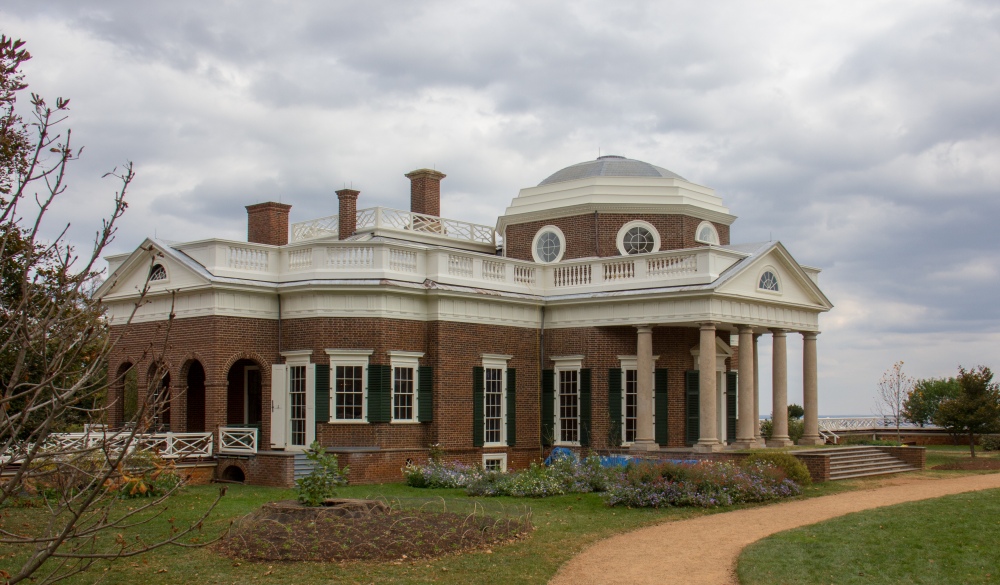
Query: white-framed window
[(495, 462), (349, 384), (768, 280), (630, 397), (495, 400), (706, 233), (158, 273), (405, 383), (567, 397), (638, 237), (300, 398), (549, 245)]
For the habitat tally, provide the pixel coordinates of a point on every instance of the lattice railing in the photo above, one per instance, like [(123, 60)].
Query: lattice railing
[(168, 445), (238, 440), (396, 219), (316, 228)]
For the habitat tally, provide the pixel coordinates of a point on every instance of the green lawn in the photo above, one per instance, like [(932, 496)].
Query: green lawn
[(940, 542)]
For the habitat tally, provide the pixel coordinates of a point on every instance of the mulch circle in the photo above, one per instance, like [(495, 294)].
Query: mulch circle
[(363, 530), (970, 464)]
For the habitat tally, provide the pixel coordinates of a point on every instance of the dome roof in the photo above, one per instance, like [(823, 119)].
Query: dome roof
[(609, 166)]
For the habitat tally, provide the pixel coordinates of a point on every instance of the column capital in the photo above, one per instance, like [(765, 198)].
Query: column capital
[(779, 332), (644, 328), (708, 325), (745, 328), (809, 334)]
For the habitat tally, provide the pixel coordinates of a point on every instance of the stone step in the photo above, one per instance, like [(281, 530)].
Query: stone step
[(869, 473)]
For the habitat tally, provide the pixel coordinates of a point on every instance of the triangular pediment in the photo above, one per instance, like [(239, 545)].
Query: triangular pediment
[(795, 285), (133, 274)]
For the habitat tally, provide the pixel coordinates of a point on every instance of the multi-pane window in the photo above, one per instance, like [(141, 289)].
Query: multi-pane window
[(631, 405), (569, 406), (493, 407), (638, 240), (349, 393), (403, 393), (496, 462), (297, 404), (768, 281)]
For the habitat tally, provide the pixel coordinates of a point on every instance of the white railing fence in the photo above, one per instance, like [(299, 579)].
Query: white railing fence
[(238, 440), (167, 445), (829, 427), (397, 219)]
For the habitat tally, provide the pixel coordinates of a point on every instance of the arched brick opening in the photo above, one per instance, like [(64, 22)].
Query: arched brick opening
[(123, 403), (195, 397), (245, 394), (234, 473), (158, 402)]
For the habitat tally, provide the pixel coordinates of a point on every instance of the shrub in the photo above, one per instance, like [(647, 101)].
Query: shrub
[(537, 481), (792, 467), (865, 440), (322, 481), (795, 428), (441, 475), (990, 442)]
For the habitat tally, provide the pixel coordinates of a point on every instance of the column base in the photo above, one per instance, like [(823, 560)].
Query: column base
[(644, 446), (817, 440), (743, 444), (708, 447), (779, 442)]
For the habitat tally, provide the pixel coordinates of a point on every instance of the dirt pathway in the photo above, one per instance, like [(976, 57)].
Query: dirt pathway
[(703, 551)]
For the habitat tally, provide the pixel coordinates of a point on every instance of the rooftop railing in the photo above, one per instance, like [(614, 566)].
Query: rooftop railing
[(384, 218)]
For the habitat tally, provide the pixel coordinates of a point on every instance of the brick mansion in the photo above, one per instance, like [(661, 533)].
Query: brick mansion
[(607, 308)]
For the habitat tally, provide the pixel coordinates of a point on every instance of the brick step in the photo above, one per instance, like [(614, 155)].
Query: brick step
[(866, 466), (835, 476), (861, 458)]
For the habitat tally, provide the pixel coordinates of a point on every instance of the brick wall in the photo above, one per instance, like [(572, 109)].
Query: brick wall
[(268, 468), (267, 223), (915, 456), (589, 235)]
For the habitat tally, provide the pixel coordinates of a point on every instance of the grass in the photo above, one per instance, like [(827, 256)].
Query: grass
[(564, 525), (942, 541)]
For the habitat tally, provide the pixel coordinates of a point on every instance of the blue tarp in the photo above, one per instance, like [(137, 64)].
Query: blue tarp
[(609, 460)]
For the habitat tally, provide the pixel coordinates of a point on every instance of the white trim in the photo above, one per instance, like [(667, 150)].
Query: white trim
[(297, 355), (502, 457), (349, 358), (566, 363), (620, 239), (715, 232), (562, 244), (494, 361), (406, 360), (631, 363), (166, 273)]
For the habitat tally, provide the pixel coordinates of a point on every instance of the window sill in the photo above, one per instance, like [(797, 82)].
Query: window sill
[(566, 444), (347, 422), (405, 422)]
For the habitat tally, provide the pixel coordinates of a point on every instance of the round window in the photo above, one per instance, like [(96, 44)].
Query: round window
[(548, 246), (638, 240)]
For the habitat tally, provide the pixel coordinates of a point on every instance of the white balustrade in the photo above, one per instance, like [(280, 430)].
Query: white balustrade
[(460, 265), (671, 266), (402, 260), (252, 259), (572, 275), (524, 274), (238, 440), (494, 270), (350, 258), (621, 270), (300, 259)]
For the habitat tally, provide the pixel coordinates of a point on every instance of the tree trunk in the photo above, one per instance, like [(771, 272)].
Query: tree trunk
[(972, 444)]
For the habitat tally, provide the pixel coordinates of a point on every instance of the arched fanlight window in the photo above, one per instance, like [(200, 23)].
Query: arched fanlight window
[(158, 272), (769, 282), (706, 233)]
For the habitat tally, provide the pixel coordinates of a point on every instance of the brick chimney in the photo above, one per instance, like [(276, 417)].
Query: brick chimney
[(267, 223), (425, 191), (348, 212)]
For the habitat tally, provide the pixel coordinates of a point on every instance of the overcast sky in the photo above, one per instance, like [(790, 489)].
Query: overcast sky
[(863, 135)]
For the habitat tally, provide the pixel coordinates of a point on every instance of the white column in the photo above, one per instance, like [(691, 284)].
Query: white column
[(779, 390), (756, 393), (810, 391), (644, 391), (708, 436), (745, 422)]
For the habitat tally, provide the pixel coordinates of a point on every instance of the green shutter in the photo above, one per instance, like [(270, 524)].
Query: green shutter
[(661, 403), (585, 407), (478, 400), (511, 406), (425, 394), (548, 406), (322, 393), (730, 407), (692, 430), (615, 435), (379, 393)]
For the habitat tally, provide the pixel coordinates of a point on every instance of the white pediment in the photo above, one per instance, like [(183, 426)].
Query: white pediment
[(132, 275), (795, 285)]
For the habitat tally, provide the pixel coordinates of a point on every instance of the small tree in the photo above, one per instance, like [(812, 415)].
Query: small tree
[(893, 388), (922, 402), (795, 412), (322, 481), (976, 409)]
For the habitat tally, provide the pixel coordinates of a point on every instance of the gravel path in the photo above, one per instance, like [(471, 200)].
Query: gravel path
[(703, 551)]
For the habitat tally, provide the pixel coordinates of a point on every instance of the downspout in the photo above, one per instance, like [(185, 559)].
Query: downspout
[(597, 241), (541, 369), (279, 324)]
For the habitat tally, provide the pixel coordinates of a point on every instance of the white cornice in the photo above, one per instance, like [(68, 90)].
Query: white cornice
[(589, 208)]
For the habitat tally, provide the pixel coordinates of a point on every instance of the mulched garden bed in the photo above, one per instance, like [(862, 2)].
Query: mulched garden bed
[(970, 464), (278, 533)]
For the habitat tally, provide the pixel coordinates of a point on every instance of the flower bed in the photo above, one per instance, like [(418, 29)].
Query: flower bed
[(638, 484)]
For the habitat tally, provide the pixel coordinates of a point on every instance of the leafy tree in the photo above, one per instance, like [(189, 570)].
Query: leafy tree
[(893, 388), (53, 345), (976, 408), (795, 412), (923, 400)]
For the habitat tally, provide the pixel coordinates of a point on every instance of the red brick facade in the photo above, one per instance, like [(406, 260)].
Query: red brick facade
[(595, 235), (267, 223)]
